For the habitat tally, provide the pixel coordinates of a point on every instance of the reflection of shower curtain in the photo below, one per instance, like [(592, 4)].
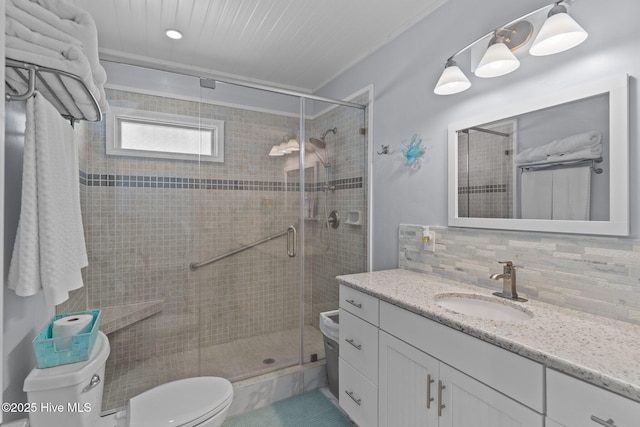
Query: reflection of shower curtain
[(561, 194)]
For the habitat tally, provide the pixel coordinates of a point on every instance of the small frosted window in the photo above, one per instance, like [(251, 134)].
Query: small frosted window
[(158, 135)]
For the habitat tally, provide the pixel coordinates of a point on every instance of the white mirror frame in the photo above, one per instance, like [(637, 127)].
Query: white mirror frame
[(618, 223)]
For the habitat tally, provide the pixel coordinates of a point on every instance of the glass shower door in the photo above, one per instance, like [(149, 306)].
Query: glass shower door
[(248, 306), (336, 221)]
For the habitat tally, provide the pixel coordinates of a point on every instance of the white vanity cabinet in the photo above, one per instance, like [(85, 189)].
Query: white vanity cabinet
[(418, 389), (358, 363), (408, 385), (574, 403)]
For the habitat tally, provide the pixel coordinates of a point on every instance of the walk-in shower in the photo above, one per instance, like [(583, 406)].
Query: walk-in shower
[(151, 222)]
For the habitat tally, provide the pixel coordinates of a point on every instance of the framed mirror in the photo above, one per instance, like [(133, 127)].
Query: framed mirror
[(558, 164)]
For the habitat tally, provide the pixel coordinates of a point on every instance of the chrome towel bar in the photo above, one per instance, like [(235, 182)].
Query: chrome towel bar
[(290, 231)]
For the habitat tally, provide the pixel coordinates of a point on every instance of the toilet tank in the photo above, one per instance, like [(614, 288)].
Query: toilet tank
[(69, 395)]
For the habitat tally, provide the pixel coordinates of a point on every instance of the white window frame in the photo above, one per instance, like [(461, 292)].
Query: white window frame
[(117, 115)]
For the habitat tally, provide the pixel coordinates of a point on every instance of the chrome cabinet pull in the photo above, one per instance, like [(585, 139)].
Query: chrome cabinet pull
[(441, 405), (608, 423), (352, 396), (353, 303), (429, 398), (291, 247), (95, 380), (352, 342)]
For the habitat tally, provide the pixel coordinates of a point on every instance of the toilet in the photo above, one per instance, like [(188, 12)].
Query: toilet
[(71, 396)]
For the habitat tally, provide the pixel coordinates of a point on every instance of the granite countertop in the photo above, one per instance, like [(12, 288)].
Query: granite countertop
[(601, 351)]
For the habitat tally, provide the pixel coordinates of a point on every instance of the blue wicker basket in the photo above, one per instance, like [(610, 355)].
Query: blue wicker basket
[(46, 348)]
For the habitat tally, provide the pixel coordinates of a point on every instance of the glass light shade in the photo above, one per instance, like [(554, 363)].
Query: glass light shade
[(291, 145), (275, 151), (452, 81), (498, 60), (173, 34), (559, 32)]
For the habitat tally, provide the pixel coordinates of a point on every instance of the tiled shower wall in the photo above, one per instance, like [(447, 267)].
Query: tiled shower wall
[(146, 220), (343, 250), (598, 275)]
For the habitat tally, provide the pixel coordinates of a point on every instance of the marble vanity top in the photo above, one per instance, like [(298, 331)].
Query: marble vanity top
[(601, 351)]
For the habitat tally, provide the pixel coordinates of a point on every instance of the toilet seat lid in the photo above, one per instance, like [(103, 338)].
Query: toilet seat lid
[(182, 403)]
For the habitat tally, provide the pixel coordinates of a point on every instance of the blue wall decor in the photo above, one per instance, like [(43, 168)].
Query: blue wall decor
[(414, 151)]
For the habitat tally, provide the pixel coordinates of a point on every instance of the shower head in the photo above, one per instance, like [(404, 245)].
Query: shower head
[(334, 130), (316, 144)]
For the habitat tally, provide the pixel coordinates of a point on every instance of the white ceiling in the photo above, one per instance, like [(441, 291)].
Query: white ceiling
[(300, 44)]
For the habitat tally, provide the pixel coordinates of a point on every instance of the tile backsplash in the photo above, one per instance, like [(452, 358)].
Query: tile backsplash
[(598, 275)]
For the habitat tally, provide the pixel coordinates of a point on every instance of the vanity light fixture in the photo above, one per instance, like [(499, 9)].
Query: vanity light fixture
[(173, 34), (452, 80), (275, 151), (498, 60), (289, 146), (558, 33)]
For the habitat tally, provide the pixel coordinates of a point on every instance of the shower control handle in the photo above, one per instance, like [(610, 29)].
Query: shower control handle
[(292, 237)]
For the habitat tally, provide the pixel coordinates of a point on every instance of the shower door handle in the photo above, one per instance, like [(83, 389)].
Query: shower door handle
[(292, 236)]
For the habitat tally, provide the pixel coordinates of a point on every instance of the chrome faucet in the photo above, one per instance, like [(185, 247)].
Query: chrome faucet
[(508, 277)]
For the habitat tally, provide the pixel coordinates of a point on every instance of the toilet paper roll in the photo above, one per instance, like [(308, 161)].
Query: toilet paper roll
[(66, 327)]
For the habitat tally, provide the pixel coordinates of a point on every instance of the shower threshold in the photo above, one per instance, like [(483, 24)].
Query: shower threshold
[(236, 360)]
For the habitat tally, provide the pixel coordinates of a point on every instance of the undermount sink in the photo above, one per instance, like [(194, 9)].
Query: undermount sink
[(484, 307)]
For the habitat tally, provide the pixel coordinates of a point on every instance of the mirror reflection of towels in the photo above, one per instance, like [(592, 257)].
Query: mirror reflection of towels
[(535, 196), (559, 194), (572, 193)]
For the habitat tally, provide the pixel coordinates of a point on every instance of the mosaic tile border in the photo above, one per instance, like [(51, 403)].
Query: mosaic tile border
[(491, 188), (144, 181)]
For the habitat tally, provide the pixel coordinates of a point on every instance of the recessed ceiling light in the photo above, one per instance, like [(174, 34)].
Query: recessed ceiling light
[(173, 34)]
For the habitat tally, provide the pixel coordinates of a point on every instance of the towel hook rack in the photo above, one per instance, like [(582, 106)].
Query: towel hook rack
[(34, 78), (31, 88)]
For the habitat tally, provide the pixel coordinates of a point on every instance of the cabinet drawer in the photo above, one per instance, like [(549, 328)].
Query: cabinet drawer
[(358, 303), (572, 402), (358, 396), (359, 344), (510, 374)]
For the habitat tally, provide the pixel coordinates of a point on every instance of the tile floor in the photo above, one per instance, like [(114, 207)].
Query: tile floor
[(236, 360)]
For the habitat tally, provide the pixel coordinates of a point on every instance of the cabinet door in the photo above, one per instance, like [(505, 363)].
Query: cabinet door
[(469, 403), (574, 403), (407, 384)]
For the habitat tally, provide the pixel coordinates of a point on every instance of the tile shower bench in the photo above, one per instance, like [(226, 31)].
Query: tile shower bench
[(561, 368), (119, 317)]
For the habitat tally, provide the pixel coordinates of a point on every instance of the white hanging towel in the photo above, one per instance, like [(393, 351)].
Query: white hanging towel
[(50, 249), (535, 196), (572, 193)]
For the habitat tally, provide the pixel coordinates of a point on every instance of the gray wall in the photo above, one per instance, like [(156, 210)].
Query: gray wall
[(405, 71)]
